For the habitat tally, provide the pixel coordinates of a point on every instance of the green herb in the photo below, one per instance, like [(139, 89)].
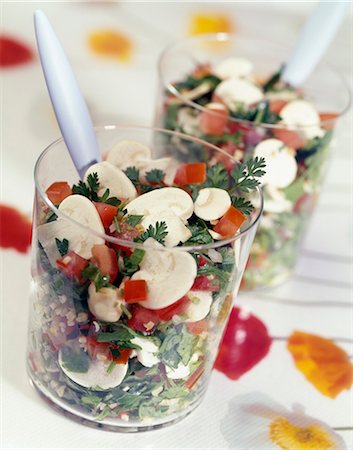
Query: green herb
[(199, 234), (192, 82), (273, 80), (88, 189), (114, 201), (120, 336), (242, 205), (111, 366), (221, 277), (117, 224), (245, 174), (133, 219), (92, 272), (155, 176), (263, 113), (159, 233), (74, 361), (63, 246), (234, 138), (50, 217), (133, 174), (228, 259), (217, 176), (177, 346), (115, 352), (171, 117), (132, 262)]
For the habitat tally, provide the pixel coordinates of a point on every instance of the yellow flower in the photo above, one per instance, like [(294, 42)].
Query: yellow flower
[(288, 436), (202, 23), (111, 44), (254, 421)]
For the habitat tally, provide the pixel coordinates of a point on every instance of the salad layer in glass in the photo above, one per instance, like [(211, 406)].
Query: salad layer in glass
[(233, 103), (134, 272)]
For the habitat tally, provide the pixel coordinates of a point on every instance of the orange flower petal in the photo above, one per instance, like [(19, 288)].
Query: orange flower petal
[(202, 23), (323, 363), (111, 44)]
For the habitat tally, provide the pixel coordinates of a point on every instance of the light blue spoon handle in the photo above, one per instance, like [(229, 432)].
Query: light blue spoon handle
[(70, 108), (313, 41)]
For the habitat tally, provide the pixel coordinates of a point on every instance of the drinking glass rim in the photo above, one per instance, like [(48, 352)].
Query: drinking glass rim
[(222, 37), (131, 244)]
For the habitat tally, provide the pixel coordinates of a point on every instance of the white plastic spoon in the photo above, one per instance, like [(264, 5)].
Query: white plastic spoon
[(70, 108), (313, 41)]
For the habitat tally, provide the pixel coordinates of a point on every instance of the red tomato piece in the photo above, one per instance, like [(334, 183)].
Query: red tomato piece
[(230, 223), (201, 261), (124, 355), (197, 327), (329, 120), (72, 265), (106, 213), (135, 291), (127, 233), (202, 283), (277, 105), (244, 344), (105, 258), (191, 173), (176, 308), (291, 138), (194, 378), (58, 191), (95, 348), (143, 319), (213, 120)]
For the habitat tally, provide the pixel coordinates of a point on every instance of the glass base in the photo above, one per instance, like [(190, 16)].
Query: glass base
[(106, 425)]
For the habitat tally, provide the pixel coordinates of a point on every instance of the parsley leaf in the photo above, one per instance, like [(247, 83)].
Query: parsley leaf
[(88, 189), (221, 277), (133, 174), (245, 174), (133, 219), (120, 335), (92, 272), (242, 205), (177, 346), (114, 201), (159, 233), (63, 246), (74, 361), (131, 263), (217, 176), (199, 234), (273, 80), (155, 176)]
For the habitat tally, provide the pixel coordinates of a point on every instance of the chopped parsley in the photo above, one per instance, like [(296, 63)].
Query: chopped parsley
[(155, 176), (131, 263), (158, 232), (133, 219), (92, 272), (63, 246), (246, 173)]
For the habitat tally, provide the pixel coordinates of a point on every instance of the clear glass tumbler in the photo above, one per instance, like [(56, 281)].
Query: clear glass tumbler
[(187, 84), (140, 368)]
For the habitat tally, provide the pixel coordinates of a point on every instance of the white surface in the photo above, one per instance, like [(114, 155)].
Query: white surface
[(318, 299)]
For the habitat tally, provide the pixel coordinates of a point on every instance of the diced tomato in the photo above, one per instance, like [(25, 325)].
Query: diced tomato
[(201, 261), (143, 319), (202, 283), (291, 138), (177, 308), (106, 213), (328, 119), (197, 327), (105, 258), (191, 173), (72, 265), (230, 223), (135, 291), (124, 355), (58, 191), (95, 348), (127, 233), (194, 378), (277, 105), (214, 118)]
